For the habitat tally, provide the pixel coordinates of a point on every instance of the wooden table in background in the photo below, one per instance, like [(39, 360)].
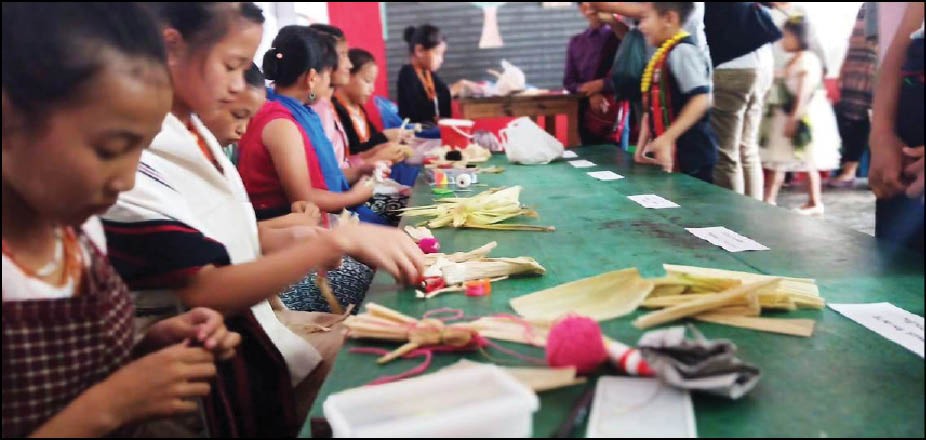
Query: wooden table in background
[(548, 106)]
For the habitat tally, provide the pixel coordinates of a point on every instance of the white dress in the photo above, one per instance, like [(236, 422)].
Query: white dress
[(822, 153)]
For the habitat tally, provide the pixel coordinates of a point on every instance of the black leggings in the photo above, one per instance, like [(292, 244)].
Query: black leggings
[(854, 134)]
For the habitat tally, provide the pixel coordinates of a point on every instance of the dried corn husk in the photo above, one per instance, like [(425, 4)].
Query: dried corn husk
[(606, 296), (803, 292), (794, 327), (739, 295), (456, 273), (459, 257), (482, 211)]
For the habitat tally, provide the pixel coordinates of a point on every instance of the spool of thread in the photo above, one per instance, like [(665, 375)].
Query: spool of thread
[(464, 181), (628, 360), (575, 341), (429, 245)]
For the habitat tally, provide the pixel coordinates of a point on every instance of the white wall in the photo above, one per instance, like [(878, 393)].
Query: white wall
[(279, 14)]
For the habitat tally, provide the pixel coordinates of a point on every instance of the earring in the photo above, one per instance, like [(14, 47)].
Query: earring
[(312, 96)]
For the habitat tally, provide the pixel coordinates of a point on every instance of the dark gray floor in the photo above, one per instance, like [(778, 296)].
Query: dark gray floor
[(852, 208)]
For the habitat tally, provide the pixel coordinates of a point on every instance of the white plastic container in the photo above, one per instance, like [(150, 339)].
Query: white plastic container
[(483, 401)]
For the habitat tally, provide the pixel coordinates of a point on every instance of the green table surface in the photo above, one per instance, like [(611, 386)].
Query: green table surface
[(843, 381)]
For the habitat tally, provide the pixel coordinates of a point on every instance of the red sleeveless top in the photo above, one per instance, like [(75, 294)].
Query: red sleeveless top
[(255, 165)]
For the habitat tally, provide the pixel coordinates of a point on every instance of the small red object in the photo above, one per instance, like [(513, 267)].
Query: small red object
[(478, 288), (429, 245)]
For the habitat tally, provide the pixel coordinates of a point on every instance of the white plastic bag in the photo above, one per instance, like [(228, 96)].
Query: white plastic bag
[(525, 142), (510, 80)]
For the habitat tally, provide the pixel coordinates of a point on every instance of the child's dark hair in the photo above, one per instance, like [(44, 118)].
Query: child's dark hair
[(800, 28), (296, 50), (253, 77), (51, 51), (426, 35), (333, 31), (683, 9), (358, 59), (204, 23)]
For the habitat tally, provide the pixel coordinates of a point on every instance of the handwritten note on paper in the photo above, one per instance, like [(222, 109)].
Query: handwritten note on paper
[(652, 201), (605, 175), (730, 241), (582, 163), (569, 154), (888, 320)]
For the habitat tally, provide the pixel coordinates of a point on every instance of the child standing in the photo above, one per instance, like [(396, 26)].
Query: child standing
[(676, 86), (423, 96), (802, 134)]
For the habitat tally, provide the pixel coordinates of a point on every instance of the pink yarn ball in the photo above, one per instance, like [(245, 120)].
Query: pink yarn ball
[(575, 341), (429, 245)]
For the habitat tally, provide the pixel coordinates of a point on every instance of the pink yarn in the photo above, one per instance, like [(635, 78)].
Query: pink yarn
[(575, 341), (429, 245)]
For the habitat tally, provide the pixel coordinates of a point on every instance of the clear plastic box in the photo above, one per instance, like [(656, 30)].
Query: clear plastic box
[(483, 401)]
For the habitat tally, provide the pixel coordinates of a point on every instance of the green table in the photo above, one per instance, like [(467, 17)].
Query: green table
[(843, 381)]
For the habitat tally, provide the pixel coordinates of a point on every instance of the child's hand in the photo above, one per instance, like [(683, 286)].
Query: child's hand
[(387, 248), (308, 209), (884, 174), (398, 135), (362, 190), (914, 171), (598, 103), (205, 326), (162, 384), (661, 150)]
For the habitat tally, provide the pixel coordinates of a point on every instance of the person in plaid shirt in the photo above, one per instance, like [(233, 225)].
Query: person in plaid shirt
[(85, 88)]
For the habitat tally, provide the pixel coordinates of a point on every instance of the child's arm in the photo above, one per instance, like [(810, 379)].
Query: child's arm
[(236, 287), (285, 144), (629, 9), (693, 111), (886, 159)]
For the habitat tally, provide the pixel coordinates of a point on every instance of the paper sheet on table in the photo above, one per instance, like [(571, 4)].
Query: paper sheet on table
[(730, 241), (581, 163), (569, 154), (605, 175), (888, 320), (652, 201), (634, 407)]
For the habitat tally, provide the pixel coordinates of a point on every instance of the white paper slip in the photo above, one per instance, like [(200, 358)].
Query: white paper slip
[(605, 175), (569, 154), (730, 241), (634, 407), (581, 163), (888, 320), (652, 201)]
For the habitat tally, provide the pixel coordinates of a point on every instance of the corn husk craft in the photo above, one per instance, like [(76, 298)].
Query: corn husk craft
[(459, 272), (538, 379), (606, 296), (430, 334), (486, 210), (731, 298), (711, 295)]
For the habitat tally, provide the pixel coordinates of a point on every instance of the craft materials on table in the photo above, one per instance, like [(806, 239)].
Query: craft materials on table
[(472, 272), (569, 154), (485, 210), (602, 297)]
